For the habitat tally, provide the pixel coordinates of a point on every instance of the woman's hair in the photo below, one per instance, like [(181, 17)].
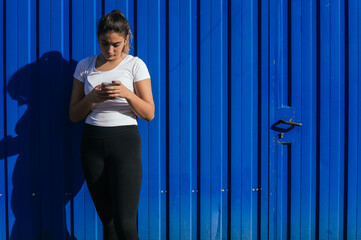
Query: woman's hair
[(116, 22)]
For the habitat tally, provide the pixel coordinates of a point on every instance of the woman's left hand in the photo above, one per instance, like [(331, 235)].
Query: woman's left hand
[(141, 100), (118, 91)]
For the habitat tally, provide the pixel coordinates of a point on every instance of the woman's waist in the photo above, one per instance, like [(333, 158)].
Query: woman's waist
[(93, 131)]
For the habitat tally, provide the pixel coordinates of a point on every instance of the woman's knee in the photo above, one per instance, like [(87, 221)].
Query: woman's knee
[(109, 232), (126, 229)]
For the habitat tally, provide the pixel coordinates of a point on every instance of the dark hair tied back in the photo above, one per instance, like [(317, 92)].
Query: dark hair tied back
[(115, 22)]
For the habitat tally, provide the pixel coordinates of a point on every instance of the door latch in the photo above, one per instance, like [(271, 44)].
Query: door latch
[(278, 127)]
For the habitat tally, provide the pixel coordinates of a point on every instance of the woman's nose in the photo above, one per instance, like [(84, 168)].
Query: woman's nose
[(110, 48)]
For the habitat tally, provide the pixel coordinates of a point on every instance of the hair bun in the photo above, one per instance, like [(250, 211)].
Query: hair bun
[(116, 11)]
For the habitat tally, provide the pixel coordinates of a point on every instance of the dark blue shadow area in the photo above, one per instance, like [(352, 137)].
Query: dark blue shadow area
[(47, 173)]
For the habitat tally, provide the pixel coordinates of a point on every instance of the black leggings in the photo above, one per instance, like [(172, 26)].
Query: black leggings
[(111, 160)]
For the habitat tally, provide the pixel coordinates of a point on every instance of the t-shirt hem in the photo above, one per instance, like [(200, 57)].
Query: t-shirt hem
[(110, 123), (142, 79)]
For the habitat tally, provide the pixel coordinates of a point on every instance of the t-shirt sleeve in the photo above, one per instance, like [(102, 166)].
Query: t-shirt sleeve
[(140, 71), (81, 70)]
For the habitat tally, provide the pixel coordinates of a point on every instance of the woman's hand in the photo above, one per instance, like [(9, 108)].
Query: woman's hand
[(97, 95), (81, 104), (119, 90)]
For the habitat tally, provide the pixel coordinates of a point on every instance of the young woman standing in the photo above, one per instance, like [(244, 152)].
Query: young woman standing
[(110, 90)]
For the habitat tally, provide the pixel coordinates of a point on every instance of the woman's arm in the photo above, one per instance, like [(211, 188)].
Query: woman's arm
[(81, 104), (79, 107), (141, 101)]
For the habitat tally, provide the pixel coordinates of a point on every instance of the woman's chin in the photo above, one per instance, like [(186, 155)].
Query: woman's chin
[(109, 57)]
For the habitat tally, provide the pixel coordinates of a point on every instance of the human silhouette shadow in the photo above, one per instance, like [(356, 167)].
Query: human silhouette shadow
[(47, 173)]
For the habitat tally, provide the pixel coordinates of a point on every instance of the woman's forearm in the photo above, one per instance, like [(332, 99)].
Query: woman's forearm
[(80, 110), (141, 108)]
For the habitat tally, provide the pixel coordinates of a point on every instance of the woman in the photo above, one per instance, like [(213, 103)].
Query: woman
[(110, 149)]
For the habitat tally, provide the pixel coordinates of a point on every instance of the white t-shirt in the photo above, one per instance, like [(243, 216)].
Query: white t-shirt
[(115, 112)]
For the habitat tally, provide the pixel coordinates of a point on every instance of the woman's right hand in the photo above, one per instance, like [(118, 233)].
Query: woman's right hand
[(80, 104), (97, 95)]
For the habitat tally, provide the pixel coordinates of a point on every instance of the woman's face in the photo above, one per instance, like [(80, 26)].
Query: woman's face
[(111, 45)]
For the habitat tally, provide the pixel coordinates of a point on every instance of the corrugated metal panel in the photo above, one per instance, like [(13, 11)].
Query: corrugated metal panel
[(213, 107), (353, 119), (214, 163), (244, 113), (10, 105), (332, 112), (182, 105), (3, 213)]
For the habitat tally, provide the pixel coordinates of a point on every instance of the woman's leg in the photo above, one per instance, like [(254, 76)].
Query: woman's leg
[(95, 172), (124, 154)]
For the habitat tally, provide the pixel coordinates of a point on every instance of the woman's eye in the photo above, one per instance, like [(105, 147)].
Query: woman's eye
[(116, 45)]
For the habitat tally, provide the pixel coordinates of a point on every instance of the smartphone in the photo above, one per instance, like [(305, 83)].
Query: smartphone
[(107, 84)]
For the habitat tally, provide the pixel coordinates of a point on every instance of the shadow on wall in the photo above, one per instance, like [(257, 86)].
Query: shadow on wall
[(43, 162)]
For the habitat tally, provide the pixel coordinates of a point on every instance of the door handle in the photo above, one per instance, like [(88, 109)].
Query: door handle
[(289, 123), (283, 130)]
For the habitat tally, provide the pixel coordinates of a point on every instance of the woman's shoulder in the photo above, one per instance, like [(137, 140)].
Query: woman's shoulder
[(85, 62), (83, 67), (134, 60), (136, 63), (139, 68)]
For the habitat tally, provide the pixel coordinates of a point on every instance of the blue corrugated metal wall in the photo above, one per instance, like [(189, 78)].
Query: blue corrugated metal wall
[(216, 165)]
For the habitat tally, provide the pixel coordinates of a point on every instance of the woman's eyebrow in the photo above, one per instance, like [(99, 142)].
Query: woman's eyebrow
[(112, 43)]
